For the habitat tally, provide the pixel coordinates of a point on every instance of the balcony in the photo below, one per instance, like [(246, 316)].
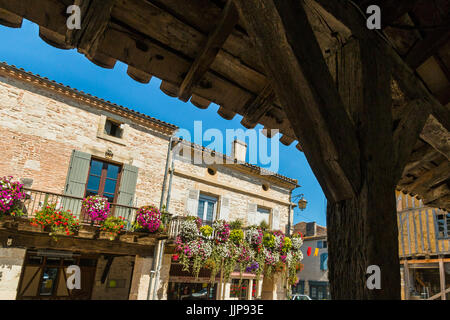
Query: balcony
[(37, 199)]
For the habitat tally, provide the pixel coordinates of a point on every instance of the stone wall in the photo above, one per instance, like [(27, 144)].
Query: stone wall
[(40, 128), (11, 262), (141, 278), (240, 189), (312, 271)]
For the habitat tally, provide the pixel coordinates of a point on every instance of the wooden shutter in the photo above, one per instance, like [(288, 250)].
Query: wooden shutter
[(275, 219), (127, 189), (76, 180), (192, 202), (251, 214), (324, 261), (224, 208)]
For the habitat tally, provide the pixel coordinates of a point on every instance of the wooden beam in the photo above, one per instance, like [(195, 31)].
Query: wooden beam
[(10, 19), (406, 278), (407, 133), (435, 193), (391, 10), (306, 89), (93, 25), (105, 273), (442, 278), (257, 108), (437, 295), (436, 135), (420, 157), (206, 56), (434, 176), (442, 203), (409, 83), (43, 241), (426, 48)]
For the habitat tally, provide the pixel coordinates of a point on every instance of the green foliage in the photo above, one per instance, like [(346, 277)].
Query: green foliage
[(237, 236), (236, 224), (113, 225), (287, 244), (206, 231), (264, 225), (269, 240)]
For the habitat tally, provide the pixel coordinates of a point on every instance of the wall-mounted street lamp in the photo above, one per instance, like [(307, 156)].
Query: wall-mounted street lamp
[(301, 201)]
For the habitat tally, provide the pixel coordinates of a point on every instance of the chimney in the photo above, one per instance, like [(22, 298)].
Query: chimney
[(239, 150), (310, 229)]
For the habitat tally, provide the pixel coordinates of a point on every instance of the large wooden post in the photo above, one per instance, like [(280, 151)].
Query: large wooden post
[(347, 137)]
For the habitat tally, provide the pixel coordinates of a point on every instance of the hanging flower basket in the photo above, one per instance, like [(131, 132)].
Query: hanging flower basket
[(11, 194), (148, 219), (96, 208)]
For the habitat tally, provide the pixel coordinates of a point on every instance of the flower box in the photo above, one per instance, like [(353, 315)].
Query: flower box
[(105, 235), (26, 226), (6, 221), (88, 232)]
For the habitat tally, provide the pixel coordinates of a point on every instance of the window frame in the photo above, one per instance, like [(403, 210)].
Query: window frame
[(446, 225), (207, 198), (103, 177), (116, 124), (270, 213)]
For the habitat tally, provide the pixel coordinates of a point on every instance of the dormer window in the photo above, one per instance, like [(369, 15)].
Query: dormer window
[(113, 128)]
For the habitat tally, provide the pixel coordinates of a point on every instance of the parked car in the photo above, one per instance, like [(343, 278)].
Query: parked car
[(300, 297)]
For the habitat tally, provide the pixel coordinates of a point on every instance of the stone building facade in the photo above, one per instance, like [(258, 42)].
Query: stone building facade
[(314, 277), (54, 137)]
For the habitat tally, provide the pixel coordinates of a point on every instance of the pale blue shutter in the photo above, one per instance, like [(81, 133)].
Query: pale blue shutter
[(324, 261), (127, 189), (76, 181)]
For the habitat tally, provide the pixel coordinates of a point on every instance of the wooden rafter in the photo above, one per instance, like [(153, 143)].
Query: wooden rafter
[(407, 80), (426, 48), (307, 92), (94, 24), (257, 108), (391, 9), (436, 135), (206, 56), (407, 133), (432, 177)]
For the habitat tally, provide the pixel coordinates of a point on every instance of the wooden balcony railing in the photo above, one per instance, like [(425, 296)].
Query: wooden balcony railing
[(36, 199)]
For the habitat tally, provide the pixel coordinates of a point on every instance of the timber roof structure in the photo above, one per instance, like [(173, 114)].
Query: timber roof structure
[(202, 52)]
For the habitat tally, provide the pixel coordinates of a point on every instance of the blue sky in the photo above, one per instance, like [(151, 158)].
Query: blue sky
[(24, 49)]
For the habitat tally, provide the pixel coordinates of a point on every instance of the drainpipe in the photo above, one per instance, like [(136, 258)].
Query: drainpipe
[(152, 271), (169, 191), (168, 159), (160, 246), (158, 269), (290, 214)]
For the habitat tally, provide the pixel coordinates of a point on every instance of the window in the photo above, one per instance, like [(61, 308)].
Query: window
[(319, 290), (113, 129), (299, 288), (103, 180), (322, 244), (207, 207), (443, 225), (262, 214)]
